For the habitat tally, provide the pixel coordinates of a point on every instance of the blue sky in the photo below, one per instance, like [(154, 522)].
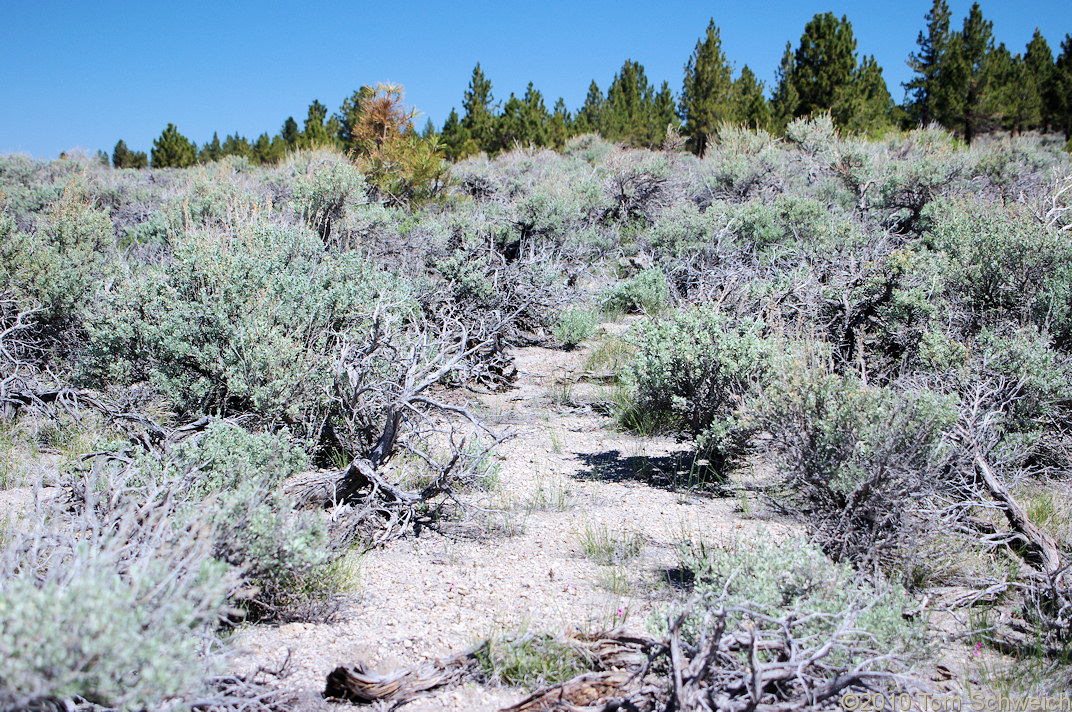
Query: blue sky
[(84, 74)]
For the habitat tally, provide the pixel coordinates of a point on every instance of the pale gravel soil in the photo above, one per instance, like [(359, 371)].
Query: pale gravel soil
[(435, 595)]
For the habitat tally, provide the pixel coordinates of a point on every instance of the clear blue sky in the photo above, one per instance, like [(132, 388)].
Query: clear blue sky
[(84, 74)]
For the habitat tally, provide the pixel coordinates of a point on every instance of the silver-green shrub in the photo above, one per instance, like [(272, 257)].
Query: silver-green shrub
[(775, 578), (853, 456), (119, 611), (244, 321), (693, 371), (646, 292), (574, 325)]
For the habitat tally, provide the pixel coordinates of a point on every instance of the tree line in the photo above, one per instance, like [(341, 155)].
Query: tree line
[(961, 80)]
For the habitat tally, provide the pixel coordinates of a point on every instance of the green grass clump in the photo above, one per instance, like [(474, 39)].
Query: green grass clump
[(601, 544), (531, 660)]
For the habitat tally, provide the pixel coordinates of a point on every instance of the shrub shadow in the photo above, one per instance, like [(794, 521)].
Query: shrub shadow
[(676, 472)]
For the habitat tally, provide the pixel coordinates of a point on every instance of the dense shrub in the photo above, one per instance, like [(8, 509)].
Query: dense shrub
[(248, 321), (574, 326), (120, 615), (853, 456), (646, 292), (1005, 266), (773, 578), (326, 187), (693, 371), (60, 265)]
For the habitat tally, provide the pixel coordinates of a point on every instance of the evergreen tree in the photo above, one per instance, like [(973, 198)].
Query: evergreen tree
[(211, 151), (705, 97), (559, 126), (268, 150), (319, 130), (630, 113), (824, 68), (508, 126), (349, 115), (869, 107), (1039, 76), (968, 76), (1062, 89), (478, 104), (173, 150), (925, 90), (664, 115), (1011, 100), (236, 146), (749, 105), (785, 100), (120, 154), (534, 117), (457, 143), (123, 157), (290, 133), (428, 131), (588, 117)]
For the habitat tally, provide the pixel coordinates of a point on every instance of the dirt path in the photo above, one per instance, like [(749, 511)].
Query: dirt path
[(572, 484)]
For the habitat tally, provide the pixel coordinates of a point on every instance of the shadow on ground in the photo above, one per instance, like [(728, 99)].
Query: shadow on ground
[(675, 472)]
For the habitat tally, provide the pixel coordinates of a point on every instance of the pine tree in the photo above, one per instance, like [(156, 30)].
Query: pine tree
[(869, 106), (123, 157), (1011, 100), (534, 117), (664, 116), (1039, 74), (236, 146), (318, 130), (785, 100), (750, 107), (211, 151), (630, 113), (925, 89), (290, 133), (558, 128), (968, 51), (173, 150), (457, 142), (268, 150), (479, 119), (705, 97), (120, 154), (349, 115), (824, 66), (508, 126), (1062, 89), (589, 115)]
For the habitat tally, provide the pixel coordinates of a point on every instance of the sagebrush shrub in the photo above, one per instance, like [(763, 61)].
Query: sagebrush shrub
[(646, 292), (1004, 265), (61, 264), (852, 455), (574, 326), (328, 186), (693, 371), (774, 578), (121, 614), (248, 321)]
